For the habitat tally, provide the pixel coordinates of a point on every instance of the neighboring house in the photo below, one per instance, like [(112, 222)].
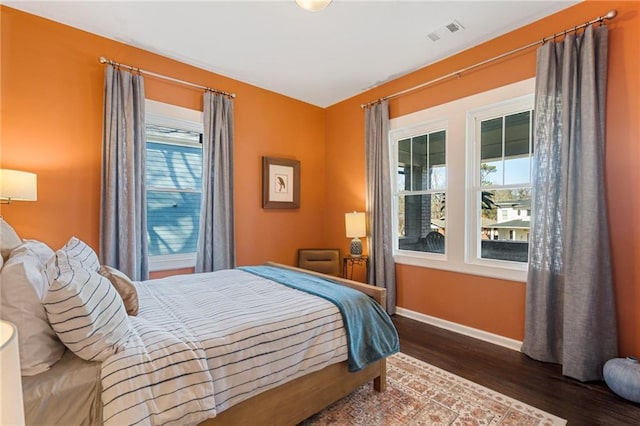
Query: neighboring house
[(512, 223)]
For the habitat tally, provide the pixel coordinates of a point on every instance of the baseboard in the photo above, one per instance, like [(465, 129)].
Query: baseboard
[(496, 339)]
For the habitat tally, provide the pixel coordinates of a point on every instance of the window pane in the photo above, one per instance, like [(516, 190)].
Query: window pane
[(517, 170), (491, 164), (174, 179), (517, 165), (172, 222), (437, 160), (491, 140), (174, 166), (401, 178), (421, 221), (505, 222), (404, 165), (516, 134), (491, 173), (419, 163)]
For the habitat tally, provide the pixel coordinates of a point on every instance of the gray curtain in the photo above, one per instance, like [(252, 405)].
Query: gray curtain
[(570, 310), (123, 214), (216, 242), (380, 240)]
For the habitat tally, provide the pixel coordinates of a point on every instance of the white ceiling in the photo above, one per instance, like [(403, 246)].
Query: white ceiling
[(317, 57)]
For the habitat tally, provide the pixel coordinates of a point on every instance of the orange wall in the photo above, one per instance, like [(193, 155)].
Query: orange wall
[(51, 96), (494, 305), (52, 87)]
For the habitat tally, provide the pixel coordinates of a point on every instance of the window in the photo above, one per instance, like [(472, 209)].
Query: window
[(461, 174), (420, 190), (501, 143), (173, 183)]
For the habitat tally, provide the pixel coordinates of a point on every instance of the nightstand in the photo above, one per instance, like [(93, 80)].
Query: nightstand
[(350, 261)]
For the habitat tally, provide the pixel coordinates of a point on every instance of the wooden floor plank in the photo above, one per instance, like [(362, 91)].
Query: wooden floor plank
[(514, 374)]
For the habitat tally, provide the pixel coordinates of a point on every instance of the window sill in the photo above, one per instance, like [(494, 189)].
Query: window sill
[(171, 261), (518, 273)]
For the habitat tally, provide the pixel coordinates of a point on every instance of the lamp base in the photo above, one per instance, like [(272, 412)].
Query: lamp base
[(356, 247)]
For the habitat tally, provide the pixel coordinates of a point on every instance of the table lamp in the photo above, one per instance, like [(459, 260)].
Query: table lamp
[(356, 226), (11, 407), (16, 185)]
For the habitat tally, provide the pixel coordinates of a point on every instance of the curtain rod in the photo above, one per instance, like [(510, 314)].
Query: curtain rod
[(610, 15), (103, 60)]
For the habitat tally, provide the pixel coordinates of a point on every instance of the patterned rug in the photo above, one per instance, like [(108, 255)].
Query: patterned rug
[(421, 394)]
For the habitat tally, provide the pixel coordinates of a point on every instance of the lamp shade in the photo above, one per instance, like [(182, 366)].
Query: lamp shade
[(313, 5), (11, 408), (17, 185), (355, 224)]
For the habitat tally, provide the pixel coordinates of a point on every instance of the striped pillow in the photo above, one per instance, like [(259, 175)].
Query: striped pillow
[(84, 309), (78, 250)]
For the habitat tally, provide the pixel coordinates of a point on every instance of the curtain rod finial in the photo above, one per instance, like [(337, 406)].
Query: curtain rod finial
[(611, 14)]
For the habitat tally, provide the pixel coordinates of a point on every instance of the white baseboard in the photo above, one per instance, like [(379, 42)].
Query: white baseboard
[(496, 339)]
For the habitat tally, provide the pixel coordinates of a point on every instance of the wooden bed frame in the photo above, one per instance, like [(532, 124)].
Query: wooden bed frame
[(294, 401)]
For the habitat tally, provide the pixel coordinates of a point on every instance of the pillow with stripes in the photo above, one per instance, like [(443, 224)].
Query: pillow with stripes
[(82, 306), (79, 251)]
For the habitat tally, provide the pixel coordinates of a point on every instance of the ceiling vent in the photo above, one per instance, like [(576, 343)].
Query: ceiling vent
[(445, 31)]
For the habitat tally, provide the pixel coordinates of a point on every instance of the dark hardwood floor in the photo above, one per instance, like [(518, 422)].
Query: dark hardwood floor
[(514, 374)]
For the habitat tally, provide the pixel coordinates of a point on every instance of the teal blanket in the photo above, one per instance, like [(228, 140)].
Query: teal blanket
[(370, 333)]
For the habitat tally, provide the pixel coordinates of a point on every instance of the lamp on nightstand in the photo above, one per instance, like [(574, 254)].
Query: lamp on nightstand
[(356, 226), (11, 408)]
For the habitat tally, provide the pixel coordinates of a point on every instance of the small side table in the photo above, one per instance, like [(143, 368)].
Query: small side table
[(350, 261)]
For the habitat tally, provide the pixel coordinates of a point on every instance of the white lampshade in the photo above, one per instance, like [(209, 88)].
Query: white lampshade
[(16, 185), (313, 5), (356, 224), (11, 408)]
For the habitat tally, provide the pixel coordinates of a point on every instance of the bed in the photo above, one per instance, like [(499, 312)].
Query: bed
[(302, 377)]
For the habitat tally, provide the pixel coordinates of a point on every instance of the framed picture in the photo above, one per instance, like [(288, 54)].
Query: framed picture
[(280, 183)]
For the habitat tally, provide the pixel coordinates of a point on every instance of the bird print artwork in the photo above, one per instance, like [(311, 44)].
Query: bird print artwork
[(281, 183)]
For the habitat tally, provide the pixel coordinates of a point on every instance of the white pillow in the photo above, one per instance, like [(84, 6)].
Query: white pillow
[(43, 251), (8, 239), (83, 308), (23, 283), (81, 252), (38, 253)]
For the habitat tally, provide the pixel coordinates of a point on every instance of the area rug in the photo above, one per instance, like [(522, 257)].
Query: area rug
[(421, 394)]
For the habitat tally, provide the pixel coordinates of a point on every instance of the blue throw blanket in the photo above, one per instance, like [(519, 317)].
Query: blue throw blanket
[(370, 333)]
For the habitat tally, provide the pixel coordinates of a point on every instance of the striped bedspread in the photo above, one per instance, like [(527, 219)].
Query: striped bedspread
[(370, 333), (202, 343)]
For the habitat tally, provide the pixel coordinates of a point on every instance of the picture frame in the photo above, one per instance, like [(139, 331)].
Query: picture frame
[(280, 183)]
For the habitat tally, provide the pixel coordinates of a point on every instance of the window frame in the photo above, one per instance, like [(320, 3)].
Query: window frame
[(473, 185), (454, 113), (167, 115), (395, 137)]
